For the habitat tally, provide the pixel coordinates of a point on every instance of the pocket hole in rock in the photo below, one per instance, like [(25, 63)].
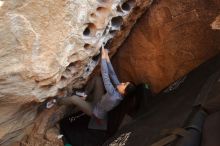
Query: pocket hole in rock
[(47, 87), (87, 46), (126, 6), (72, 67), (90, 30), (72, 64), (117, 21), (63, 78), (93, 15), (112, 32), (73, 70)]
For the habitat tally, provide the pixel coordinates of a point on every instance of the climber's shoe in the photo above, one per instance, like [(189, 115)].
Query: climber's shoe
[(51, 103), (81, 94)]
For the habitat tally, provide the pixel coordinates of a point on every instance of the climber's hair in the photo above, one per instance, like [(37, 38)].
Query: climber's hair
[(130, 90)]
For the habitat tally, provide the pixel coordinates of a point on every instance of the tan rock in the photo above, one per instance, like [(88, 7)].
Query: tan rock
[(49, 47)]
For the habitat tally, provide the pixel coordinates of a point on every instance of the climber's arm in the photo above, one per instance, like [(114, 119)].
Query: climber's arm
[(111, 71), (105, 74)]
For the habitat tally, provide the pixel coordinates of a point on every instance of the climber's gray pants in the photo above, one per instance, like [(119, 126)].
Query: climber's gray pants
[(94, 89)]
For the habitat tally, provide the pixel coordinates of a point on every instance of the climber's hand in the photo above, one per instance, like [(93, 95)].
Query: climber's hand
[(107, 57), (104, 53)]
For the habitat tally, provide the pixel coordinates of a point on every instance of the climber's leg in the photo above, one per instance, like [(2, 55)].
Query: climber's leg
[(95, 89), (83, 105)]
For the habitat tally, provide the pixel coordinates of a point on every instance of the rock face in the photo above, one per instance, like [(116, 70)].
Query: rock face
[(170, 40), (49, 47)]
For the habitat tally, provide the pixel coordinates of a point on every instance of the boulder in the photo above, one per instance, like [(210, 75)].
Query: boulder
[(49, 47), (171, 38)]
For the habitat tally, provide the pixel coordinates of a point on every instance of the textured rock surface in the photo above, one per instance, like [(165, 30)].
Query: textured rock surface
[(170, 40), (49, 47)]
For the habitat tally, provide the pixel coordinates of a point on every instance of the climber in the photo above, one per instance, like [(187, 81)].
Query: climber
[(98, 102)]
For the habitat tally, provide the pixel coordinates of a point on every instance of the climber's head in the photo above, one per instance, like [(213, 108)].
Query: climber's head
[(126, 89)]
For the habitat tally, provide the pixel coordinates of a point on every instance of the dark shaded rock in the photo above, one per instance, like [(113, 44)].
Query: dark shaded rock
[(171, 39)]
